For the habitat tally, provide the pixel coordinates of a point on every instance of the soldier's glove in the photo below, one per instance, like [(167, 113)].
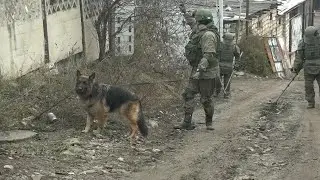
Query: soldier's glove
[(291, 69), (196, 75), (294, 70), (203, 65), (182, 8)]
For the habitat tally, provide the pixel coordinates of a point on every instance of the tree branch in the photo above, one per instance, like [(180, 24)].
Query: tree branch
[(121, 26)]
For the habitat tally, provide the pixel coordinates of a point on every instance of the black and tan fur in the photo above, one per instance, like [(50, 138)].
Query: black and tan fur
[(101, 99)]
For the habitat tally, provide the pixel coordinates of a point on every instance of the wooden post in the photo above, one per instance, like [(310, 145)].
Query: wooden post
[(221, 18), (82, 16), (45, 32), (239, 22), (247, 17), (111, 31)]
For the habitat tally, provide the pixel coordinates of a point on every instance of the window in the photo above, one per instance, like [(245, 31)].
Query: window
[(279, 21), (130, 48), (119, 20), (130, 28), (119, 40), (259, 24), (130, 39), (271, 16)]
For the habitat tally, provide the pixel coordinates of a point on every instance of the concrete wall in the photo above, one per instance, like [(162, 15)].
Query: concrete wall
[(21, 37), (64, 34), (23, 33), (266, 24), (91, 39), (283, 31), (90, 12)]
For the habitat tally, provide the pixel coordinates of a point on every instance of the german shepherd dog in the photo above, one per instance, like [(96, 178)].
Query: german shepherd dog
[(100, 99)]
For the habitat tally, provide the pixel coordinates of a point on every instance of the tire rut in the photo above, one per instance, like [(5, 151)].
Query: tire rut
[(207, 155)]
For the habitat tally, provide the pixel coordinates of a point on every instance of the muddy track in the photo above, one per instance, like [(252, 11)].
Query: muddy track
[(214, 155), (251, 140), (306, 163)]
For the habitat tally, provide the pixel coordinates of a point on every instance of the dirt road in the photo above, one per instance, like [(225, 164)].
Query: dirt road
[(252, 139), (287, 149)]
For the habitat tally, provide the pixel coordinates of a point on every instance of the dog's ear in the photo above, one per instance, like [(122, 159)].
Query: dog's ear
[(78, 73), (92, 76)]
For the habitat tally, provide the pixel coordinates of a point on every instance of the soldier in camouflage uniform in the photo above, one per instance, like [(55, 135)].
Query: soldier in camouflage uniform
[(201, 52), (190, 20), (229, 50), (308, 57)]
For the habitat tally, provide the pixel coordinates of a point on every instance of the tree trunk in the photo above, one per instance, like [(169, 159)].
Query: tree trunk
[(111, 31), (101, 31)]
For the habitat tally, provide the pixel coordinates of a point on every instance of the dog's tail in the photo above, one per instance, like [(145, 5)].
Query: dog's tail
[(142, 125)]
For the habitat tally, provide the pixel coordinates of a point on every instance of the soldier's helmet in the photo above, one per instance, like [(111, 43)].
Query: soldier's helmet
[(311, 34), (228, 38), (203, 15)]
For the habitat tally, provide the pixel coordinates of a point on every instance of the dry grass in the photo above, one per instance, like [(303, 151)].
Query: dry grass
[(34, 93), (254, 59)]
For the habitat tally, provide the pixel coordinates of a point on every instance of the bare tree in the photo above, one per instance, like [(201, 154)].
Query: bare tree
[(104, 24), (161, 36), (159, 32)]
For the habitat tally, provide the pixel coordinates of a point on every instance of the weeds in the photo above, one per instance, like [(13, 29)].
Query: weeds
[(30, 95), (254, 59)]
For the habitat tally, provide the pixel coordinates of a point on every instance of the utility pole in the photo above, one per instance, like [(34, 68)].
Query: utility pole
[(247, 17), (111, 30), (221, 18), (239, 21)]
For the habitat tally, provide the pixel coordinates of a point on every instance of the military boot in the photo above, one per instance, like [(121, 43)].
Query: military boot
[(209, 123), (186, 124), (311, 105), (209, 114)]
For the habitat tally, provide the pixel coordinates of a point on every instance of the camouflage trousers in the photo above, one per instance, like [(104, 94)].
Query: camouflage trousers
[(204, 87), (309, 86)]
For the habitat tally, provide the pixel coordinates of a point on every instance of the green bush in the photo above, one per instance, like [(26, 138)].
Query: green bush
[(254, 59)]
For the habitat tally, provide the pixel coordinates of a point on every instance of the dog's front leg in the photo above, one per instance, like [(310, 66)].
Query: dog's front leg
[(102, 118), (88, 124)]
